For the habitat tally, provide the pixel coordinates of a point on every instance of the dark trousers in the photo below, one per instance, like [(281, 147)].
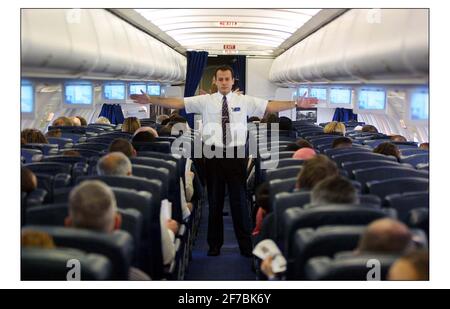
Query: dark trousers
[(232, 173)]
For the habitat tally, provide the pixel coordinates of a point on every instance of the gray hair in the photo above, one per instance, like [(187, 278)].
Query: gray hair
[(92, 205), (114, 164)]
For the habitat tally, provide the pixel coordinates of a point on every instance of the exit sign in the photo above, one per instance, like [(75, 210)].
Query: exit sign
[(229, 46), (228, 23)]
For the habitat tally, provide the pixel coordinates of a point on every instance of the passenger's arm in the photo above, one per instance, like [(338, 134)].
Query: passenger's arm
[(176, 103)]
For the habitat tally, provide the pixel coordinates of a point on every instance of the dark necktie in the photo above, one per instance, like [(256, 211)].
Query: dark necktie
[(225, 120)]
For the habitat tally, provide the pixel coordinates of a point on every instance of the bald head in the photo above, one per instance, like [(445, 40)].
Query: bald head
[(114, 164), (386, 236), (76, 121)]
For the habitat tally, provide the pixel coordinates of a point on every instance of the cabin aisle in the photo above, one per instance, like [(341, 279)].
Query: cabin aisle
[(229, 265)]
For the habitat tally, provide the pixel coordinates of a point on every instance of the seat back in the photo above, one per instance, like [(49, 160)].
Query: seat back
[(28, 154), (350, 267), (52, 264), (163, 147), (360, 156), (148, 172), (337, 151), (283, 173), (403, 203), (95, 146), (118, 246), (352, 166), (386, 172), (421, 158), (45, 148), (383, 188), (323, 241), (50, 168), (61, 142)]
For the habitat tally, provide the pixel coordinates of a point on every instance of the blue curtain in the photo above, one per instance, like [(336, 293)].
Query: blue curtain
[(113, 112), (239, 71), (344, 115), (196, 63)]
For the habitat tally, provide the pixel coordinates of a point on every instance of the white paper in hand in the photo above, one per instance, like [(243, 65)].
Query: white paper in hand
[(166, 210), (266, 248)]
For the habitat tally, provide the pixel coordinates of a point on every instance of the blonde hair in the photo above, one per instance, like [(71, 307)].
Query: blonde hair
[(334, 127), (102, 120), (131, 124), (37, 239)]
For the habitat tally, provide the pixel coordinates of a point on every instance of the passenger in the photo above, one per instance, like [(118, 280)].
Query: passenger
[(262, 204), (425, 146), (62, 121), (122, 145), (75, 121), (54, 133), (131, 124), (102, 120), (369, 128), (150, 130), (299, 144), (388, 149), (92, 206), (385, 236), (28, 180), (285, 124), (71, 153), (117, 164), (36, 239), (334, 190), (161, 118), (314, 170), (334, 127), (83, 121), (398, 138), (342, 142), (33, 136), (412, 266), (144, 136), (304, 153)]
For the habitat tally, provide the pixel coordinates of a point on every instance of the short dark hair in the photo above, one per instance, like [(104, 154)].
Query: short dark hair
[(224, 68), (285, 123), (369, 128), (388, 149), (299, 144), (121, 145), (82, 120), (341, 141), (334, 190), (314, 170), (27, 180), (262, 196)]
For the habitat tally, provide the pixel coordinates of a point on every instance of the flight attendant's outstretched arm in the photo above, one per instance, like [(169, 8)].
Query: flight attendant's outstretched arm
[(303, 102), (176, 103)]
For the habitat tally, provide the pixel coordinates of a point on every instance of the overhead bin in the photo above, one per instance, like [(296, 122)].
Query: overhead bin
[(94, 43), (362, 45)]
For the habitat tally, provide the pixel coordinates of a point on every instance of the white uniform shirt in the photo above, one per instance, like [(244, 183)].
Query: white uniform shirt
[(239, 107)]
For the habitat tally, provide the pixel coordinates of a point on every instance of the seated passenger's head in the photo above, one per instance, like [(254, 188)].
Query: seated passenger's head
[(145, 134), (28, 180), (161, 118), (130, 125), (412, 266), (102, 120), (334, 190), (314, 170), (304, 153), (262, 196), (71, 153), (369, 128), (62, 121), (54, 133), (425, 146), (33, 136), (75, 121), (334, 127), (285, 123), (122, 145), (92, 206), (36, 239), (388, 149), (386, 236), (82, 120), (299, 144), (114, 164), (342, 142), (398, 138)]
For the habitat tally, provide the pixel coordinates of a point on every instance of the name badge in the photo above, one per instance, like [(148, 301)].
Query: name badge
[(236, 109)]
